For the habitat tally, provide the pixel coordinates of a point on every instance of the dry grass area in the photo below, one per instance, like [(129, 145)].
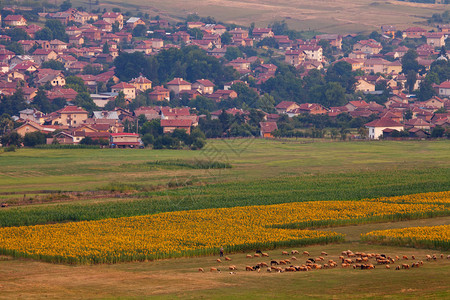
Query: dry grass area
[(324, 15), (28, 279)]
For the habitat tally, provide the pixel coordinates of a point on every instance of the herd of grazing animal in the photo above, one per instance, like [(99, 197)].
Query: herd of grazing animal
[(347, 259)]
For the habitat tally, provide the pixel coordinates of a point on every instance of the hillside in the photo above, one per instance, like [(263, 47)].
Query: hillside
[(334, 16)]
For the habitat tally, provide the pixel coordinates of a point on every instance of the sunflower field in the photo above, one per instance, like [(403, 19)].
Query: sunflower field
[(200, 232), (433, 237), (433, 197)]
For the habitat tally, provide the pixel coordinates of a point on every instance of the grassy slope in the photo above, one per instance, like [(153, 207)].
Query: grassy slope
[(337, 16)]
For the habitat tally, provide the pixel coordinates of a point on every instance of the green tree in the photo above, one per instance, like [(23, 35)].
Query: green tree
[(341, 72), (233, 53), (226, 38), (53, 64), (65, 5), (411, 79), (17, 34), (85, 101), (409, 62), (76, 83), (6, 124), (32, 139), (41, 102), (105, 49), (11, 139), (140, 30), (58, 30), (44, 34)]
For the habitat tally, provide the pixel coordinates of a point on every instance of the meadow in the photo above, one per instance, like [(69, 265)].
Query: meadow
[(341, 16), (262, 173), (251, 188)]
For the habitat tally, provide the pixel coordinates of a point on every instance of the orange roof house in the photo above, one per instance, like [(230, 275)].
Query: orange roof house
[(267, 129)]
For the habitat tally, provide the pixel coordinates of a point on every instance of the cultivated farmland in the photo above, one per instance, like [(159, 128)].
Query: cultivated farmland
[(341, 15), (136, 208)]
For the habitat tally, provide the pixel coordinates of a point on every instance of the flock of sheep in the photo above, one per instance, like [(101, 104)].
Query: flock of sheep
[(347, 259)]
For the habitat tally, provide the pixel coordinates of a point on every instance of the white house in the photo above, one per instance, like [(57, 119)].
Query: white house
[(376, 127)]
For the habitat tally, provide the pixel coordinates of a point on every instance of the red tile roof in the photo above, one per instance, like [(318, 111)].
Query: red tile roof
[(72, 109), (178, 81), (383, 122), (123, 85), (176, 123)]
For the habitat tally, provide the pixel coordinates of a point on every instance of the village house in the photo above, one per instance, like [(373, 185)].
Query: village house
[(262, 33), (284, 106), (203, 85), (312, 52), (68, 116), (141, 83), (388, 30), (177, 85), (33, 115), (150, 113), (354, 105), (159, 93), (435, 39), (443, 89), (294, 57), (103, 25), (125, 140), (220, 95), (376, 127), (414, 32), (57, 92), (57, 45), (334, 39), (307, 108), (30, 126), (113, 17), (15, 20), (267, 129), (240, 64), (364, 86), (42, 55), (170, 125), (129, 90), (133, 22)]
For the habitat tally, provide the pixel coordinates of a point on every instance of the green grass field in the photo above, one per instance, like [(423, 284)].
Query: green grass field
[(263, 172), (336, 16)]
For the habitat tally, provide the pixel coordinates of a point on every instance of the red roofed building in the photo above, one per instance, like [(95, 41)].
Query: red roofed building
[(443, 89), (125, 140), (178, 84), (68, 94), (15, 20), (68, 116), (159, 93), (112, 17), (261, 33), (204, 85), (141, 83), (354, 105), (171, 125), (376, 127), (414, 32), (240, 64), (285, 106), (267, 128), (294, 57), (127, 89)]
